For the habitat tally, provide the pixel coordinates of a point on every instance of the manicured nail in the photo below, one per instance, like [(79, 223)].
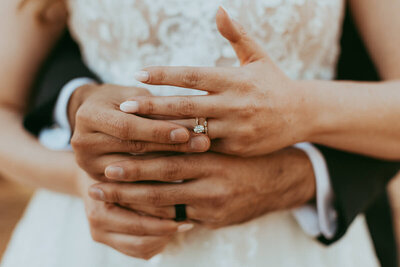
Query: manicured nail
[(96, 193), (179, 135), (142, 76), (114, 172), (224, 9), (199, 143), (130, 106), (185, 227)]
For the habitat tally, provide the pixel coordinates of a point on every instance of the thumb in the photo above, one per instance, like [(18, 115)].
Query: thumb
[(246, 48)]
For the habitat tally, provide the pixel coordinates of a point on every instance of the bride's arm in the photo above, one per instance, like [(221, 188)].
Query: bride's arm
[(364, 117), (24, 44)]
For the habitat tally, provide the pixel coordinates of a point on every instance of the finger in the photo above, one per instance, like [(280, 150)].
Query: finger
[(94, 165), (118, 219), (196, 214), (246, 48), (110, 144), (165, 169), (146, 194), (209, 79), (129, 127), (135, 246), (167, 212), (176, 106), (216, 128)]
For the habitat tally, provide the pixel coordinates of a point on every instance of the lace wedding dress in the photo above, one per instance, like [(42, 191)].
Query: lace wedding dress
[(120, 37)]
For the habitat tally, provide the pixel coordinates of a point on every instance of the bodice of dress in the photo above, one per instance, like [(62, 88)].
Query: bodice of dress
[(119, 37)]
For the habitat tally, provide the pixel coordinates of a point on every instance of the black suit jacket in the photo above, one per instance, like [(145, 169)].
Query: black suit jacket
[(359, 182)]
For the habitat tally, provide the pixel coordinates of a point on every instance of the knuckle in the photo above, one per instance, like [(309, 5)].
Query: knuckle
[(122, 129), (96, 235), (160, 134), (137, 146), (136, 229), (245, 133), (185, 107), (191, 79), (78, 142), (147, 106), (82, 115), (140, 247), (219, 216), (134, 172), (157, 75), (236, 148), (171, 171), (219, 201), (114, 196), (154, 197), (249, 108)]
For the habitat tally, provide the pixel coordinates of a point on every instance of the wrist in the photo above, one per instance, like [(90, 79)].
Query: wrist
[(76, 100), (299, 173), (309, 110)]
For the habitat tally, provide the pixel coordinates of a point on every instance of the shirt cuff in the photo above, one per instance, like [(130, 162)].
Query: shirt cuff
[(61, 107), (58, 136), (320, 218)]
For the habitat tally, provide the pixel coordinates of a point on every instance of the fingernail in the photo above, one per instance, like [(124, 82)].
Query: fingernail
[(185, 227), (142, 76), (224, 10), (114, 172), (179, 135), (199, 143), (96, 193), (130, 106)]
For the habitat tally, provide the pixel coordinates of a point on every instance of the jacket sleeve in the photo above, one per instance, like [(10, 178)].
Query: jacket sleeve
[(64, 64)]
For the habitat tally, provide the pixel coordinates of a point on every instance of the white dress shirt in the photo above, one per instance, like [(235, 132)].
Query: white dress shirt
[(315, 219)]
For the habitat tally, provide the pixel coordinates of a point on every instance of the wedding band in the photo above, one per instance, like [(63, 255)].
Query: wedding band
[(180, 213), (201, 128)]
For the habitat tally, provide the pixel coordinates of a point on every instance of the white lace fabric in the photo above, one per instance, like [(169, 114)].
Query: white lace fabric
[(119, 37)]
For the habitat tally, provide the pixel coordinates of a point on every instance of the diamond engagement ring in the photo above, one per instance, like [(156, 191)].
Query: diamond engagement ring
[(198, 128)]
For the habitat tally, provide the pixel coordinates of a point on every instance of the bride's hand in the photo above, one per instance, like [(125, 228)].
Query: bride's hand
[(124, 230), (102, 134), (253, 109)]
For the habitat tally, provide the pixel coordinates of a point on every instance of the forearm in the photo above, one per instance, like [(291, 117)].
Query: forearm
[(23, 159), (354, 116)]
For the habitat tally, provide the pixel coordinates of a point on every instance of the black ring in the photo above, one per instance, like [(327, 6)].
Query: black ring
[(180, 212)]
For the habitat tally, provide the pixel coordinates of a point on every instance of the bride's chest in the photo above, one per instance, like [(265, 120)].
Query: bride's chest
[(144, 19)]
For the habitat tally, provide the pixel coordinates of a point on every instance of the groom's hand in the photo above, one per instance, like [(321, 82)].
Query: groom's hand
[(127, 231), (219, 190), (102, 134)]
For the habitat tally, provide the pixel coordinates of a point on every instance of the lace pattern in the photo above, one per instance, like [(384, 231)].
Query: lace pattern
[(301, 36)]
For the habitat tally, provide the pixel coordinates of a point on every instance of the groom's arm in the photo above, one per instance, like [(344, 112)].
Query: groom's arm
[(63, 65), (66, 64)]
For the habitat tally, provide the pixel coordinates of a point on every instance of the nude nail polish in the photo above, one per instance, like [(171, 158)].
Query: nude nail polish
[(179, 135), (185, 227), (142, 76), (129, 106), (96, 193), (114, 172)]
